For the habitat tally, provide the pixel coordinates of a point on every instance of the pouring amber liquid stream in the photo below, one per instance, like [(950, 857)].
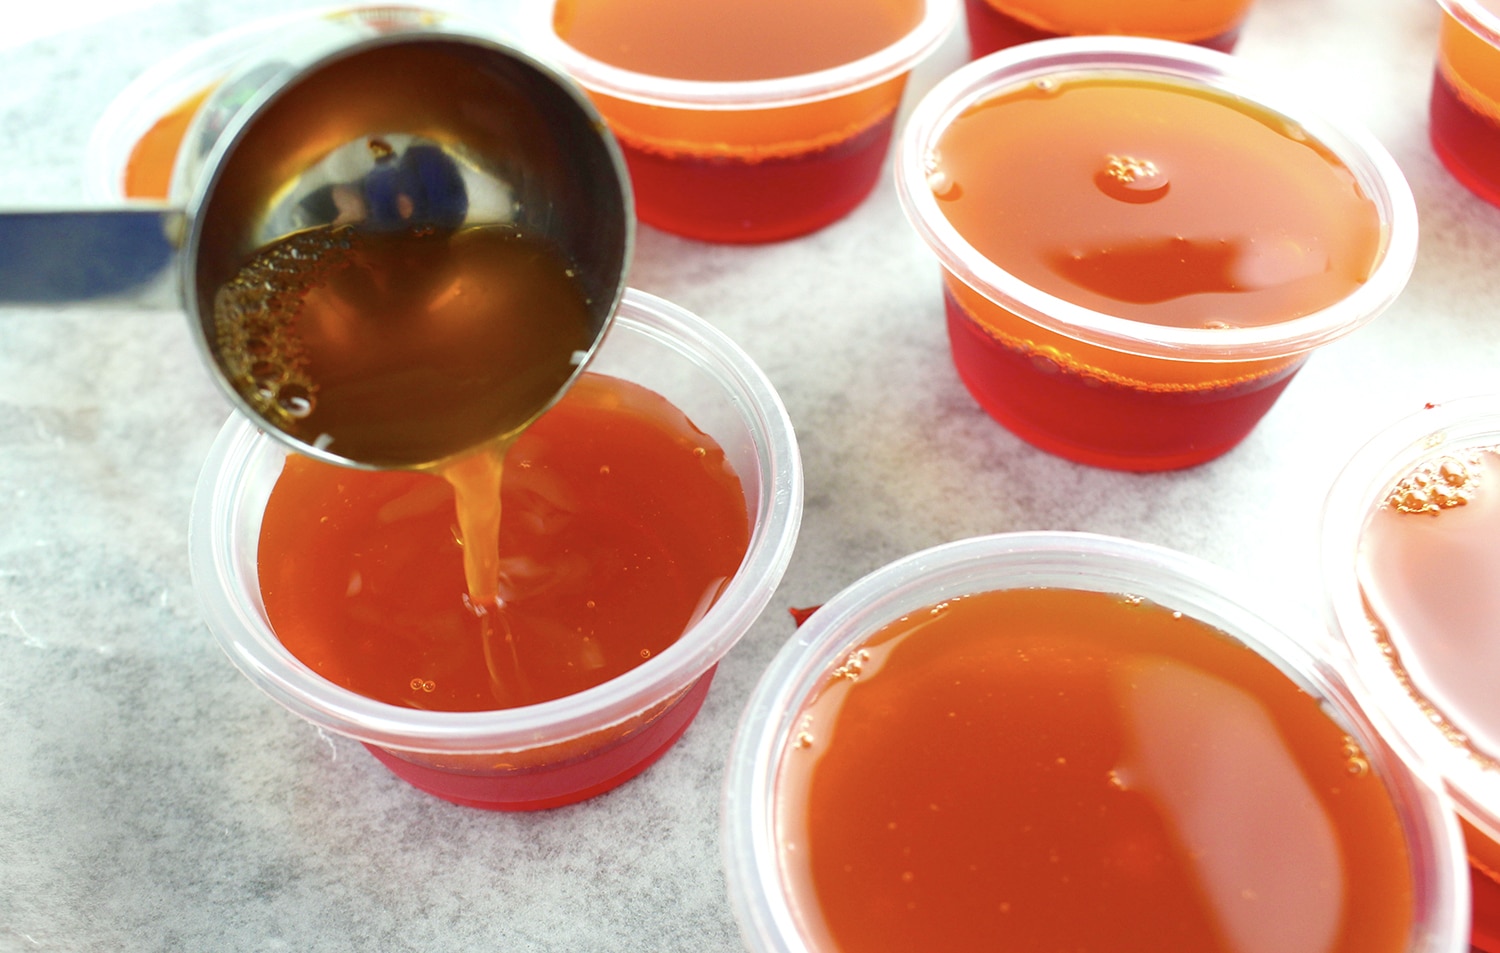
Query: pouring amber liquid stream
[(412, 348)]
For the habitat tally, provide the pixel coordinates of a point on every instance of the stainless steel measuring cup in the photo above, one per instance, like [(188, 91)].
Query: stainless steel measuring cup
[(368, 120)]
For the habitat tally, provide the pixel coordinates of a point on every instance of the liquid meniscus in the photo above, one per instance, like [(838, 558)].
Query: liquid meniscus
[(622, 524), (1050, 769)]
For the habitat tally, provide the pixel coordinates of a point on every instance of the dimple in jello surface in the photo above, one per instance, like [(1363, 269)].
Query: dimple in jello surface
[(1053, 769)]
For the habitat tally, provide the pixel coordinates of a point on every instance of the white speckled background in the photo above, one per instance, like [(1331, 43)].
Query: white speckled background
[(151, 799)]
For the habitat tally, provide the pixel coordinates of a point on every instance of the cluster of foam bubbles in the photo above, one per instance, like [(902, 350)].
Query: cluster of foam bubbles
[(1436, 485), (255, 320)]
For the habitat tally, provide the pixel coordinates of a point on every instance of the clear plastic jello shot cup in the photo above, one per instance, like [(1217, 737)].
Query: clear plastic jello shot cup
[(749, 120), (1411, 560), (997, 24), (134, 146), (1142, 241), (1066, 741), (1464, 121), (568, 748)]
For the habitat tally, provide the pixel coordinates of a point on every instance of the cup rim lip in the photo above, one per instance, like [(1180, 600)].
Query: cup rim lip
[(1476, 17), (1372, 165), (1467, 421), (252, 646), (939, 18), (1022, 559)]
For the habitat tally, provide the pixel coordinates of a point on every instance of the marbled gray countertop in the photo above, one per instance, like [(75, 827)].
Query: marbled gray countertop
[(152, 799)]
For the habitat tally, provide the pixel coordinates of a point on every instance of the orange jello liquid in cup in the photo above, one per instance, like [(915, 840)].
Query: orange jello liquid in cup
[(749, 120), (997, 24), (643, 523), (1412, 549), (1065, 742), (620, 524), (1140, 251), (148, 169), (1465, 108)]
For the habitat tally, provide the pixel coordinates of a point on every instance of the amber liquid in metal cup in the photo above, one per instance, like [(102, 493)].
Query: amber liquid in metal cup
[(1413, 548), (997, 24), (1465, 108), (1116, 292)]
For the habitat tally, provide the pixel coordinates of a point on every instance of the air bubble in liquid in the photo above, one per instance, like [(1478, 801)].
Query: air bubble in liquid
[(1132, 179)]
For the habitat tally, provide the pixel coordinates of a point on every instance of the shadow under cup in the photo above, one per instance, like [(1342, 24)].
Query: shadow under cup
[(1126, 392), (1217, 759), (570, 748)]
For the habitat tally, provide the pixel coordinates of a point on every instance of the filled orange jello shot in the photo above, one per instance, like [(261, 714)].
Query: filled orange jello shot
[(641, 525), (749, 120), (1411, 560), (1142, 242), (1070, 742)]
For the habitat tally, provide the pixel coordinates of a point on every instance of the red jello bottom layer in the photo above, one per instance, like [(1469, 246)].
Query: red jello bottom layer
[(1466, 142), (1091, 420), (1485, 934), (991, 30), (568, 782), (737, 200)]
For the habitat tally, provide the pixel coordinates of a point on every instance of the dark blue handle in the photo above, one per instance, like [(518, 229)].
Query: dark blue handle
[(57, 257)]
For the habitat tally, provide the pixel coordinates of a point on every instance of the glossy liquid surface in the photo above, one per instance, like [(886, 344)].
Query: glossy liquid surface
[(1042, 769), (403, 347), (1155, 201), (148, 170), (732, 40), (759, 173), (622, 523), (997, 24), (1429, 558)]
